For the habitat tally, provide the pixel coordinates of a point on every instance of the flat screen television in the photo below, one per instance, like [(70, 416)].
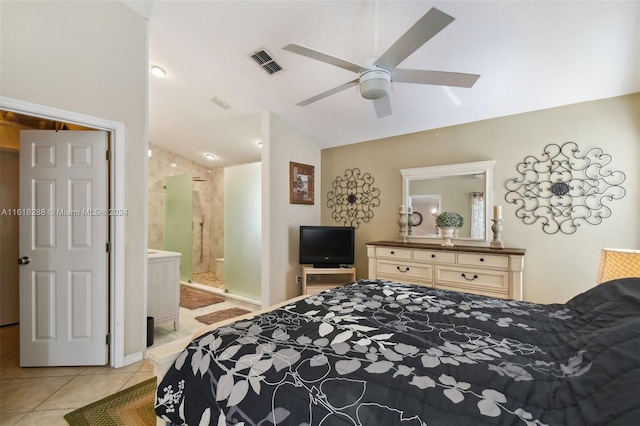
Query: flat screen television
[(327, 246)]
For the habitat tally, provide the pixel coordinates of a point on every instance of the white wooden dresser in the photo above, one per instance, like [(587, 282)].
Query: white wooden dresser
[(479, 270)]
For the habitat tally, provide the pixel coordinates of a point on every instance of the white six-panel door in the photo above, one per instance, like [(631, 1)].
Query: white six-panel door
[(64, 221)]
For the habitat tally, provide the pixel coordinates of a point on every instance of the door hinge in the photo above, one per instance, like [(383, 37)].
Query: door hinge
[(108, 341), (108, 247), (108, 155)]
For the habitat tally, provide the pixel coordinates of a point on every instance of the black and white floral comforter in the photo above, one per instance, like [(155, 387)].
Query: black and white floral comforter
[(382, 353)]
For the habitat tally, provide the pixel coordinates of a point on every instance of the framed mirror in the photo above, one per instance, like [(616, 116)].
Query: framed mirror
[(464, 188)]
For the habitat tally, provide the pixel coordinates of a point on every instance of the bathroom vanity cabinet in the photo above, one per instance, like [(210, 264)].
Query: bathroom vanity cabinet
[(163, 287)]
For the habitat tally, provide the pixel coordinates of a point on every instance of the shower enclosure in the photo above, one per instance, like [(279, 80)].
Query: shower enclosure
[(190, 215), (178, 223), (206, 219)]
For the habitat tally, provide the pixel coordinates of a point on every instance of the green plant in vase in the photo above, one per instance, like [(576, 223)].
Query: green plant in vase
[(449, 222)]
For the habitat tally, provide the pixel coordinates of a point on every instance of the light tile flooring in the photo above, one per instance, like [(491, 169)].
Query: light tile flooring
[(42, 395)]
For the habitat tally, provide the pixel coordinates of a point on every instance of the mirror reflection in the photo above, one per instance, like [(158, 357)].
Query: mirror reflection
[(462, 194), (464, 188)]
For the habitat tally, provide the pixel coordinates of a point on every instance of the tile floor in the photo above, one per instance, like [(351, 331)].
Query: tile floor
[(42, 395)]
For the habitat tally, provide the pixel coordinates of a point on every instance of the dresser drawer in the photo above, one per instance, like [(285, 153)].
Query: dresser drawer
[(474, 280), (496, 273), (393, 252), (405, 271), (488, 260), (434, 256)]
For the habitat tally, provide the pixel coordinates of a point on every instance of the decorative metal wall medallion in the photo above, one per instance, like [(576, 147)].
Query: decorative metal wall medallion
[(353, 198), (565, 188)]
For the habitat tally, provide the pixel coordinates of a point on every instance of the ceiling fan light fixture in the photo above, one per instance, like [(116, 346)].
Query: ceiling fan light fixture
[(374, 84)]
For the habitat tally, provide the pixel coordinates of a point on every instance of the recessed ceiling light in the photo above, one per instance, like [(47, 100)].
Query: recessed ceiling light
[(210, 156), (158, 72)]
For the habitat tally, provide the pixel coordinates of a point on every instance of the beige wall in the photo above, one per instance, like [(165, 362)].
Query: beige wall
[(208, 204), (281, 220), (90, 58), (558, 266)]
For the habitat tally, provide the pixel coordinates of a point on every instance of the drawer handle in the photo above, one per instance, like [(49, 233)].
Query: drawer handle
[(406, 269), (482, 259), (469, 279), (433, 255), (393, 252)]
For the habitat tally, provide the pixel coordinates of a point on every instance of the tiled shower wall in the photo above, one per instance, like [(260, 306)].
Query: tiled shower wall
[(208, 205)]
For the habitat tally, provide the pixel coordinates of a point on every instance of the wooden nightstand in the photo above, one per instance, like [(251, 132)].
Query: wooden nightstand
[(315, 280)]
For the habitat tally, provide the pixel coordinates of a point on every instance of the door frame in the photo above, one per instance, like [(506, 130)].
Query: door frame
[(116, 201)]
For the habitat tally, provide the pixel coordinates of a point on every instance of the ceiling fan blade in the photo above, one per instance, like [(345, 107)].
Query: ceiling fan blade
[(422, 31), (440, 78), (328, 93), (323, 57), (382, 106)]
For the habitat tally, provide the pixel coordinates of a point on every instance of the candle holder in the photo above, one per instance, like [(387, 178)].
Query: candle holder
[(403, 221), (497, 234)]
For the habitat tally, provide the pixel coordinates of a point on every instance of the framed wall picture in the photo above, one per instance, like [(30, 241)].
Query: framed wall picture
[(300, 183)]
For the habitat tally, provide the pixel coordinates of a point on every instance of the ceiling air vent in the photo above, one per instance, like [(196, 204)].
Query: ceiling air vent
[(266, 61), (222, 104)]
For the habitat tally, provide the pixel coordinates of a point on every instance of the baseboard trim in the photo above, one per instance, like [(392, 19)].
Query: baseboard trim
[(132, 358)]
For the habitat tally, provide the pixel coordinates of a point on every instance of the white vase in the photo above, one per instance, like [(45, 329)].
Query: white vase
[(447, 234)]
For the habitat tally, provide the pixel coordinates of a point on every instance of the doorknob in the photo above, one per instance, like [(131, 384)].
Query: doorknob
[(24, 260)]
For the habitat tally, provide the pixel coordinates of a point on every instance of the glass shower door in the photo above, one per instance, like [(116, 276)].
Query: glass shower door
[(178, 220)]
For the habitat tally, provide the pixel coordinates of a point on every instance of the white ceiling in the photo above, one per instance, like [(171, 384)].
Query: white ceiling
[(531, 55)]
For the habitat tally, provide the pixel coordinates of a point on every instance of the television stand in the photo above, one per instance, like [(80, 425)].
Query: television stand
[(315, 280)]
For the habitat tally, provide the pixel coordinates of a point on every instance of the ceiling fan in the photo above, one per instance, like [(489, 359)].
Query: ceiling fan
[(375, 77)]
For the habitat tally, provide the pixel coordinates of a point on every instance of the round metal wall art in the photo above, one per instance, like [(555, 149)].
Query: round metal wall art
[(353, 198), (565, 188)]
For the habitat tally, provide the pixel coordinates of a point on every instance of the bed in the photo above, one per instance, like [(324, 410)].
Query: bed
[(376, 352)]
